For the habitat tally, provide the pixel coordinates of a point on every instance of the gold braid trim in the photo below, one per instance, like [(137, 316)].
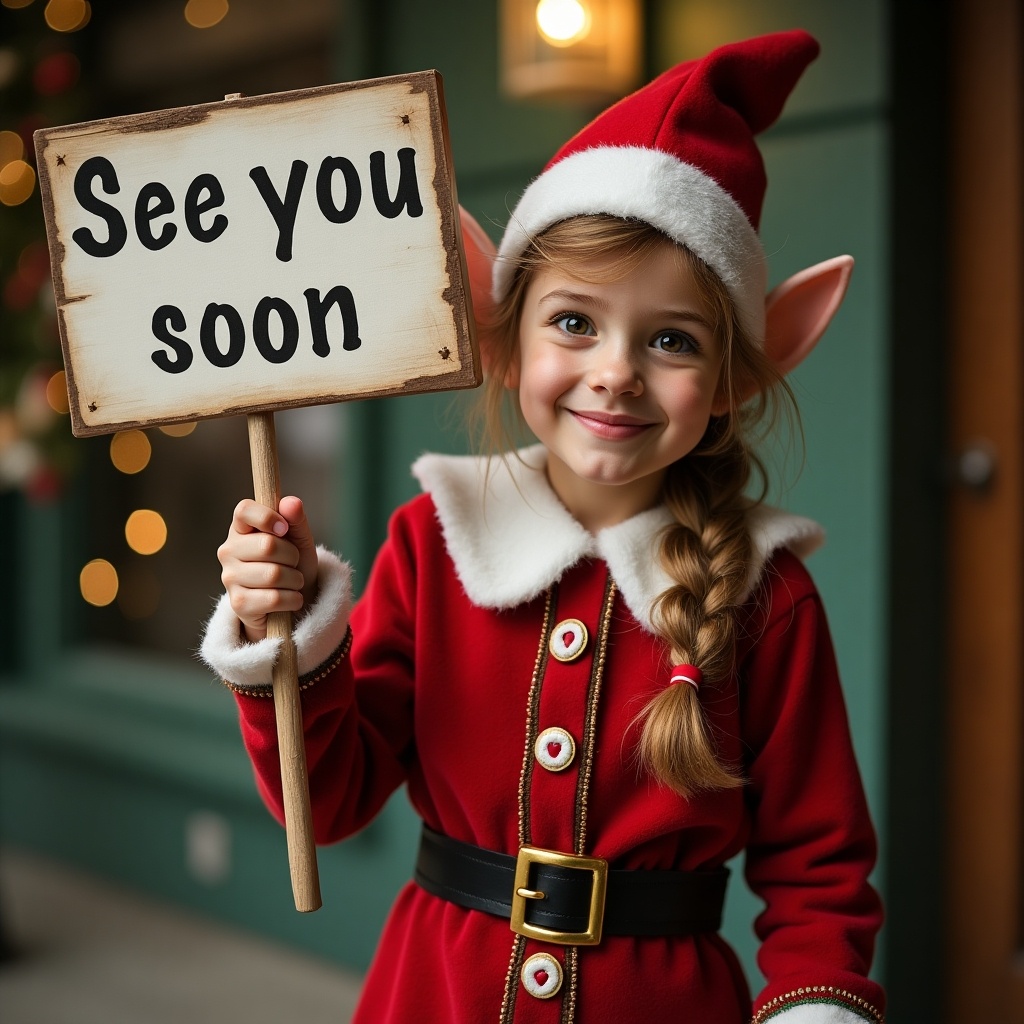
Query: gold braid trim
[(819, 994), (307, 680), (508, 1000)]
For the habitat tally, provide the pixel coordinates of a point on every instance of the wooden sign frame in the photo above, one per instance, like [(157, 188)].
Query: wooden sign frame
[(406, 107)]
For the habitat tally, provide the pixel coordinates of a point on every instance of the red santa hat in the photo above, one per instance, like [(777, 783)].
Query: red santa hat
[(680, 155)]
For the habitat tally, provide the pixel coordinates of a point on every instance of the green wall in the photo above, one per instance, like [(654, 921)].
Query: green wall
[(103, 760)]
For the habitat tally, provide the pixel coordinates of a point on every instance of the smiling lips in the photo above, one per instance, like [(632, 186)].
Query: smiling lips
[(610, 427)]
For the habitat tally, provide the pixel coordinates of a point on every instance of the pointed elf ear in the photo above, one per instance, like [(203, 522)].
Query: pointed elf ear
[(480, 254), (799, 309)]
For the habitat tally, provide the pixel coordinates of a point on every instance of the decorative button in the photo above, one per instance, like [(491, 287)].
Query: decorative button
[(568, 640), (541, 975), (554, 749)]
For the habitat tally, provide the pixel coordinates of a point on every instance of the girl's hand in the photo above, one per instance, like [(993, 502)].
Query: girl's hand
[(268, 563)]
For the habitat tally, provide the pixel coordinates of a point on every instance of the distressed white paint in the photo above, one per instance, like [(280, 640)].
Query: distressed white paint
[(405, 274)]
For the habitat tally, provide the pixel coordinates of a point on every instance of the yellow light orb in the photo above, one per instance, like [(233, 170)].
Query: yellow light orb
[(178, 429), (205, 13), (98, 582), (563, 22), (15, 4), (57, 392), (11, 147), (67, 15), (130, 451), (145, 531), (17, 182)]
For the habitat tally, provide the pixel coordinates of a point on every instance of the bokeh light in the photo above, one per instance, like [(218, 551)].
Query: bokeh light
[(67, 15), (130, 451), (9, 64), (98, 582), (563, 22), (11, 147), (57, 392), (179, 429), (205, 13), (56, 73), (17, 182), (145, 531), (15, 4)]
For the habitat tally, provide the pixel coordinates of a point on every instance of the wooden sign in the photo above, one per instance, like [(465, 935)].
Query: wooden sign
[(253, 255), (257, 253)]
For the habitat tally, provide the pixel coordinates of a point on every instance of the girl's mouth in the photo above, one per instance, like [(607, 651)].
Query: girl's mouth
[(609, 426)]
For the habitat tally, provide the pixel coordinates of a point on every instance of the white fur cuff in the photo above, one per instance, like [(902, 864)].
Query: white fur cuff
[(317, 634), (816, 1013)]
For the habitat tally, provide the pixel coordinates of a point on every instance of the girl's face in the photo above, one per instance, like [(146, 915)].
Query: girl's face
[(618, 379)]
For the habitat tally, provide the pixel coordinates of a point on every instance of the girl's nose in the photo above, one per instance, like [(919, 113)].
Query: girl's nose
[(614, 371)]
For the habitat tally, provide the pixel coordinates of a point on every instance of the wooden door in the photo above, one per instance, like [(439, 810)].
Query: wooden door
[(984, 973)]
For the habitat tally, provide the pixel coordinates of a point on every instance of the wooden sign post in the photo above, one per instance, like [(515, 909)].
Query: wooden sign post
[(256, 254)]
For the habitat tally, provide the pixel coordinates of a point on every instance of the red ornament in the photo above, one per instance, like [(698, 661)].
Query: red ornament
[(56, 74)]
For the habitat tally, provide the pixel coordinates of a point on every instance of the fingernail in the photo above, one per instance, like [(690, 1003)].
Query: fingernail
[(280, 528)]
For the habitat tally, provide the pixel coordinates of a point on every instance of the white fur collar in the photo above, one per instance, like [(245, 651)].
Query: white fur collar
[(526, 539)]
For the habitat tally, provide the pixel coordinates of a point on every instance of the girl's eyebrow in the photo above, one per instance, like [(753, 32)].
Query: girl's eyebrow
[(602, 304), (690, 315), (566, 295)]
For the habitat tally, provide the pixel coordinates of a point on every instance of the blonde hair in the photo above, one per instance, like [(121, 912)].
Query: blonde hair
[(707, 551)]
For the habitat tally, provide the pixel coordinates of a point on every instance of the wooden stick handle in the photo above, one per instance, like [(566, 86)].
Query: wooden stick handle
[(298, 816)]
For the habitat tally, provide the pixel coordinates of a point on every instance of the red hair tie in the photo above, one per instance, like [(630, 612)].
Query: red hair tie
[(687, 674)]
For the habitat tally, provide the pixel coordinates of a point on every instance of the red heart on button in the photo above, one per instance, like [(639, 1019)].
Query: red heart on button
[(541, 977), (554, 748), (567, 638)]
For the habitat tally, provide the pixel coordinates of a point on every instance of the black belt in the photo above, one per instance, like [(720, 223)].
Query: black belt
[(568, 899)]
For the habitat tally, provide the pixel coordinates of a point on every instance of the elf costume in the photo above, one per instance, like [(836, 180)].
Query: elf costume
[(500, 654)]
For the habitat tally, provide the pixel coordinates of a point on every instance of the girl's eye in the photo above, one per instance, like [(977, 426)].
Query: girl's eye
[(674, 342), (572, 323)]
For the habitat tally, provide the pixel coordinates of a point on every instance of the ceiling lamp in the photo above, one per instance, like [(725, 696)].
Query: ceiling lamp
[(584, 51)]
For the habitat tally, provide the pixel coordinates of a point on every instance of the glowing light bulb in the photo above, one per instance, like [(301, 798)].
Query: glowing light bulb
[(57, 392), (130, 451), (98, 582), (17, 182), (67, 15), (563, 22), (178, 429), (205, 13), (146, 531)]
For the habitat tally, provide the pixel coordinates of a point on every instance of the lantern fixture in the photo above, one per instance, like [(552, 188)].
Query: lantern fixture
[(582, 51)]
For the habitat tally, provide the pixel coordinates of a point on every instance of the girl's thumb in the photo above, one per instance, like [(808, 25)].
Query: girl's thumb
[(299, 532)]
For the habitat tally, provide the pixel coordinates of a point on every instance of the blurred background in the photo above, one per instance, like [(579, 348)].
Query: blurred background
[(119, 757)]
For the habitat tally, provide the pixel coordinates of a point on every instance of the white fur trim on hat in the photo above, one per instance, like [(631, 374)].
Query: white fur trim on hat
[(816, 1013), (317, 634), (652, 186), (510, 537)]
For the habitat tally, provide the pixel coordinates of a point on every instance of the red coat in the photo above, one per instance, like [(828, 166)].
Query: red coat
[(435, 693)]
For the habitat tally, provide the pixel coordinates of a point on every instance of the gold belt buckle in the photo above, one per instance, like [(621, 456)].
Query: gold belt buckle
[(521, 893)]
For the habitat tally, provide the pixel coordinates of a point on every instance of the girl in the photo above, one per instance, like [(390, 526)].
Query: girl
[(597, 663)]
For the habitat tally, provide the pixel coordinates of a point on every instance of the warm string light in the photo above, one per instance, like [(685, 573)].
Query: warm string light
[(17, 182), (178, 429), (138, 592), (205, 13), (98, 582), (67, 15), (57, 392), (130, 451), (145, 531)]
